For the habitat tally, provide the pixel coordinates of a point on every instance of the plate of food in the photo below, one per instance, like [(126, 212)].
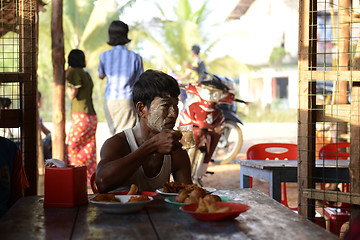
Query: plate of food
[(134, 190), (189, 200), (173, 188), (214, 211), (111, 203), (149, 194)]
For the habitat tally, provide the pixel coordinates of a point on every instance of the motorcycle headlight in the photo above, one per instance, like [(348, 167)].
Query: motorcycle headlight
[(209, 94)]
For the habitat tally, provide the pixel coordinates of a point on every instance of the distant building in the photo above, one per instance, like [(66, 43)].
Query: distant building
[(270, 28)]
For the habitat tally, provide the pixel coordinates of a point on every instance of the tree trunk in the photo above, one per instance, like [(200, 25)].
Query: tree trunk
[(58, 61)]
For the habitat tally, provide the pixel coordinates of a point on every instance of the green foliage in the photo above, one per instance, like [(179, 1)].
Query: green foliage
[(173, 39), (277, 55), (9, 52), (276, 112), (85, 25)]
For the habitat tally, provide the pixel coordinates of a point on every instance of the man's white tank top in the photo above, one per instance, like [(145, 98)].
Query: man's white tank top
[(139, 178)]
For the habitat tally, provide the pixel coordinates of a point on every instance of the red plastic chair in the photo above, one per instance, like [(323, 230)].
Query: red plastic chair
[(93, 184), (334, 151), (340, 214), (273, 151)]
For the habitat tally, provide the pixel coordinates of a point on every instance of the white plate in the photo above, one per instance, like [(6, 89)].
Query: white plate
[(121, 207), (160, 190)]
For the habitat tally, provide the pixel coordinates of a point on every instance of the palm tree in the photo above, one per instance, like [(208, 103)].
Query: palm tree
[(85, 27), (173, 39)]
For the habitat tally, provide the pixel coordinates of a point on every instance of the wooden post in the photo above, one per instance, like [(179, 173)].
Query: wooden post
[(344, 54), (307, 101), (57, 44), (28, 88), (354, 167)]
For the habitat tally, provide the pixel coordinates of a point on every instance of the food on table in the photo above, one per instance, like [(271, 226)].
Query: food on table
[(190, 200), (206, 206), (198, 193), (105, 197), (175, 187), (194, 197), (180, 198), (140, 198), (212, 198), (133, 190), (202, 206)]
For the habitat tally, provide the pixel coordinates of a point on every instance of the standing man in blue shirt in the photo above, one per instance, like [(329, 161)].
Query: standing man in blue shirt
[(122, 69)]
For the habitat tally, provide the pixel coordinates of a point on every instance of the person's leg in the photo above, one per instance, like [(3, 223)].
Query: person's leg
[(125, 116), (108, 115), (82, 142)]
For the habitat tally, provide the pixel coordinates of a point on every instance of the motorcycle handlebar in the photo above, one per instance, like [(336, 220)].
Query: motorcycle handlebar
[(182, 86), (241, 101)]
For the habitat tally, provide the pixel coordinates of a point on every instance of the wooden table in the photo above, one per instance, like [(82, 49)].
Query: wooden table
[(267, 219), (277, 171)]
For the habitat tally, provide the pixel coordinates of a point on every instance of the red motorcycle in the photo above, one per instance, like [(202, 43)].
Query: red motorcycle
[(201, 109)]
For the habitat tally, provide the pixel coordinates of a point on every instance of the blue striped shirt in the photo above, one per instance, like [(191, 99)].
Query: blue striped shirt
[(122, 69)]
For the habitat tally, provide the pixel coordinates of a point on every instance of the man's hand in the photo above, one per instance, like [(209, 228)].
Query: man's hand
[(167, 141)]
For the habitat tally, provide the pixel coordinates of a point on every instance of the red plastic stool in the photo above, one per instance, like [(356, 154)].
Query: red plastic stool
[(337, 218)]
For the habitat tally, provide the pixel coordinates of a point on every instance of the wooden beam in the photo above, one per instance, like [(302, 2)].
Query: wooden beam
[(346, 76), (10, 118), (332, 196), (333, 113), (307, 100), (14, 77)]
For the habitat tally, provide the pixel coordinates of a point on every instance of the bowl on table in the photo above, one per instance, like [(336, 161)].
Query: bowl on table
[(122, 206), (236, 210), (171, 200)]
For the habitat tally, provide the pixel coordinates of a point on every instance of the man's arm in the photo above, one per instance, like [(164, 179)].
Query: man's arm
[(181, 167), (118, 163)]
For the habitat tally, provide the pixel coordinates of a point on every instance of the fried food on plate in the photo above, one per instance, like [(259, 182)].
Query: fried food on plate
[(198, 193), (133, 190), (212, 198), (105, 197), (140, 198), (209, 207), (175, 187), (202, 206), (180, 198)]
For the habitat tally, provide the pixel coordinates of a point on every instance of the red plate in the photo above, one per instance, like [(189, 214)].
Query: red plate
[(237, 208), (149, 194)]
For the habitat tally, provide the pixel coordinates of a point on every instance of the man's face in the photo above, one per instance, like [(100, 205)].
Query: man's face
[(162, 114)]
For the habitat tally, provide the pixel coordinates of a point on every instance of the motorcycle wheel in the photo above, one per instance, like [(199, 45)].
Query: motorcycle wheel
[(229, 144)]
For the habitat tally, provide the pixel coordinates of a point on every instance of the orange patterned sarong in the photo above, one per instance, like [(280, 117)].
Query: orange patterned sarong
[(81, 146)]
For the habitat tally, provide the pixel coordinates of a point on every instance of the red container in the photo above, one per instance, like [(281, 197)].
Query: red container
[(65, 187)]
